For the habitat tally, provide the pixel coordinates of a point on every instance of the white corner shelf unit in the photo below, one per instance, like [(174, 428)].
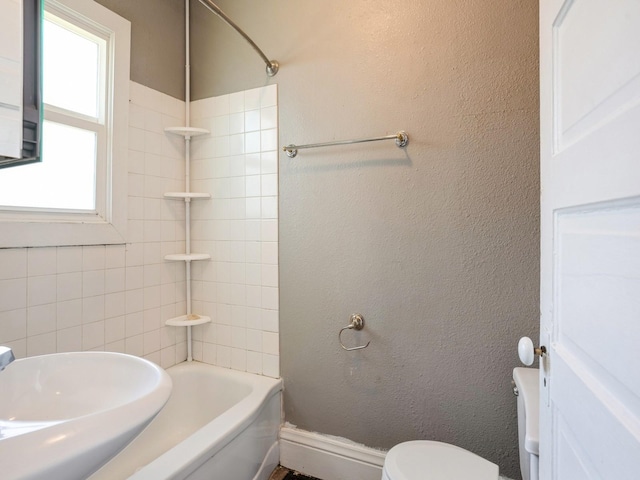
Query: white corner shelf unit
[(190, 319)]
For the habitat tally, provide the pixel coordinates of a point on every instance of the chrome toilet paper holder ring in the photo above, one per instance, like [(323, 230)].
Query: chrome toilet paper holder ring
[(356, 322)]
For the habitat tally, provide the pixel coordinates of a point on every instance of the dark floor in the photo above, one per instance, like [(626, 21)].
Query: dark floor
[(283, 473)]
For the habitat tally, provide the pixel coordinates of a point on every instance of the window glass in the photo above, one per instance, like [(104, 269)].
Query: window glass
[(71, 70), (65, 179)]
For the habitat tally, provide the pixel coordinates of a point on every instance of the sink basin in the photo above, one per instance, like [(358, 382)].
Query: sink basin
[(64, 415)]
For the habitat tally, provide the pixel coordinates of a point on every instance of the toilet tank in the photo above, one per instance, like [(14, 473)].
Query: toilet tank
[(526, 380)]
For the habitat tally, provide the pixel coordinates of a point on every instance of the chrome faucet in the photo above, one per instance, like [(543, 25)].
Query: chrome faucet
[(6, 357)]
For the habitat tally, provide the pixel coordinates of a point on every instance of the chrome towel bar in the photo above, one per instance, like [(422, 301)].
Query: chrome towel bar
[(401, 139)]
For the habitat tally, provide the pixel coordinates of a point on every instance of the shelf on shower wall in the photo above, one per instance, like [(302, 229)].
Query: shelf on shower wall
[(187, 132), (184, 257), (186, 195), (188, 320)]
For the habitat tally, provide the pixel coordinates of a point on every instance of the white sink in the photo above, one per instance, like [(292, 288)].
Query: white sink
[(64, 415)]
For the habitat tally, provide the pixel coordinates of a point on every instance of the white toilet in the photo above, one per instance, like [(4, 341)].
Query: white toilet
[(428, 460)]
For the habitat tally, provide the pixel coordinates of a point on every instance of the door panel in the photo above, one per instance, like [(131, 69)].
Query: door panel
[(590, 239)]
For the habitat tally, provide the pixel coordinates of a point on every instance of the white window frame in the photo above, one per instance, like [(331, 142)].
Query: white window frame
[(29, 227)]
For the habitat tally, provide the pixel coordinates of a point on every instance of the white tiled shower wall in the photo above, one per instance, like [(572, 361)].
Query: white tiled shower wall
[(117, 297), (238, 164)]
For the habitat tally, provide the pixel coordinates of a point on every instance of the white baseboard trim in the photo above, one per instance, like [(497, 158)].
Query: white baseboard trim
[(329, 458)]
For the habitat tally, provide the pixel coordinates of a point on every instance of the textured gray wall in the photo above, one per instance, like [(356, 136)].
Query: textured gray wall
[(157, 42), (436, 245)]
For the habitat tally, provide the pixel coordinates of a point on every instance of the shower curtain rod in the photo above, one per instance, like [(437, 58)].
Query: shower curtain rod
[(272, 65), (401, 139)]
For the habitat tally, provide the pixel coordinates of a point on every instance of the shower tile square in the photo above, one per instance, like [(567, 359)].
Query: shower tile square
[(270, 343), (40, 290), (222, 125), (41, 319), (13, 294), (134, 277), (134, 300), (152, 255), (93, 257), (253, 208), (239, 337), (114, 329), (236, 102), (40, 344), (269, 185), (151, 342), (222, 146), (69, 340), (114, 280), (237, 187), (152, 233), (136, 139), (252, 164), (136, 116), (270, 298), (151, 297), (236, 144), (254, 296), (134, 324), (236, 123), (269, 162), (223, 356), (269, 96), (254, 321), (269, 253), (135, 161), (93, 309), (254, 340), (253, 252), (252, 230), (153, 121), (153, 164), (270, 320), (253, 184), (69, 259), (236, 166), (252, 98), (41, 261), (269, 230), (252, 142), (152, 320), (269, 117), (153, 142), (269, 140), (253, 274), (168, 294), (69, 286), (209, 353), (221, 105), (93, 283), (135, 230), (269, 275), (92, 335), (13, 324), (254, 362), (134, 345), (68, 314), (114, 305), (270, 365), (114, 256), (252, 120), (239, 359)]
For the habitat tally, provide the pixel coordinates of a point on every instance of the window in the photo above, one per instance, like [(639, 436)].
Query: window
[(77, 194)]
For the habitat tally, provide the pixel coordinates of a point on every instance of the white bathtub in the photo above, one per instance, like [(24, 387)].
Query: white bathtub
[(218, 423)]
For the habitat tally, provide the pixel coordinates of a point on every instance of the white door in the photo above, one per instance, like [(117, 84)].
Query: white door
[(590, 271)]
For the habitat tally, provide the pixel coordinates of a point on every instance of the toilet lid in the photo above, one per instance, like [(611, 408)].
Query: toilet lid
[(427, 460)]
